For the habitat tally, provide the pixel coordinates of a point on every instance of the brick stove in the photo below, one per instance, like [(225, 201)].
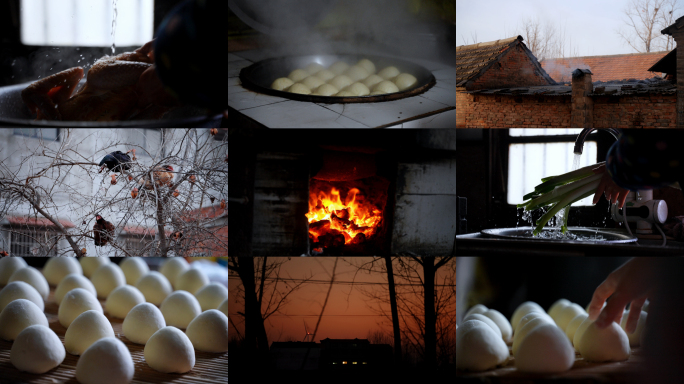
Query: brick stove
[(342, 192)]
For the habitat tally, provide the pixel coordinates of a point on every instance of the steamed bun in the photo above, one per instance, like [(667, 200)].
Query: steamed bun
[(297, 75), (7, 267), (299, 88), (358, 89), (367, 65), (281, 83), (340, 81), (385, 87), (405, 81), (339, 67), (371, 80), (325, 90), (312, 82), (389, 72), (356, 73), (325, 74)]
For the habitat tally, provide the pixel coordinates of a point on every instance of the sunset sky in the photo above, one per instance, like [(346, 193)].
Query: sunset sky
[(348, 314)]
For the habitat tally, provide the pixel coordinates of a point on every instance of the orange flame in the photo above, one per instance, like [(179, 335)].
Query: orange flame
[(355, 218)]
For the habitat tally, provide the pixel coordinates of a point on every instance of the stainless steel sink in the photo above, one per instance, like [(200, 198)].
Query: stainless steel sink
[(574, 235)]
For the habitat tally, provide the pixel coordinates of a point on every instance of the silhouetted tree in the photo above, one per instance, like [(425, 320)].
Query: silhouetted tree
[(264, 294)]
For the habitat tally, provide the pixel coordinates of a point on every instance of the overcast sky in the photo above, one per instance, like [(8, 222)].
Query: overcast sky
[(590, 23)]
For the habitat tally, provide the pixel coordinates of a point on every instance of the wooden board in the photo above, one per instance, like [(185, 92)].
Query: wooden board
[(581, 372), (209, 367)]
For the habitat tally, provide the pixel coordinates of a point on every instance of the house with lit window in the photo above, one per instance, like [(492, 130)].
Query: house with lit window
[(330, 354), (352, 354)]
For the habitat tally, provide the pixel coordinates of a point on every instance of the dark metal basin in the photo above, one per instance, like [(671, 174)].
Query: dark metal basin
[(14, 113), (259, 76)]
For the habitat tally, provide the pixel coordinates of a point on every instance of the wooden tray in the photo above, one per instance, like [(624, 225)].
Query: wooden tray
[(581, 372), (209, 367)]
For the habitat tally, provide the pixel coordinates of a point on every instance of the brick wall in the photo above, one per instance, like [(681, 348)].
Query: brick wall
[(461, 100), (651, 111), (515, 69), (491, 111)]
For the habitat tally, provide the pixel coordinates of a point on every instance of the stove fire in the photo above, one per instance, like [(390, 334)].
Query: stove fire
[(345, 214)]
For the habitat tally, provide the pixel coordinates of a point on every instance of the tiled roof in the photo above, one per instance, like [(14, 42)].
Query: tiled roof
[(540, 90), (39, 221), (610, 88), (212, 212), (678, 24), (605, 68), (473, 60), (136, 230)]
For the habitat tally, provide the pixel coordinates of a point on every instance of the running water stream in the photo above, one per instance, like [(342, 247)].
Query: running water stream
[(563, 213), (113, 26)]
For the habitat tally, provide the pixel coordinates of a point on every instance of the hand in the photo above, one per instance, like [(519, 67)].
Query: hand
[(632, 282), (147, 50), (607, 186)]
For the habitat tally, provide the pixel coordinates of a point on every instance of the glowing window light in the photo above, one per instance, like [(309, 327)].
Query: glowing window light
[(344, 362), (364, 363), (334, 362), (354, 363)]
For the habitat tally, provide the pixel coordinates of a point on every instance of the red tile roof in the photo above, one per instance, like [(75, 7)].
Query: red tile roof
[(135, 230), (40, 221), (605, 68), (211, 212)]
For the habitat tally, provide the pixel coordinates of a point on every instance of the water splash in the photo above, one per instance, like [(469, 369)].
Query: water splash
[(560, 216), (553, 234)]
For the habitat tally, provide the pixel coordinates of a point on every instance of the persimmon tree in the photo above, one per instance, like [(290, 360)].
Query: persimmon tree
[(49, 181)]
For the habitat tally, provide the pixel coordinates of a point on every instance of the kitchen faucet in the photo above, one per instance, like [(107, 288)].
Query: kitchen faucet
[(579, 143)]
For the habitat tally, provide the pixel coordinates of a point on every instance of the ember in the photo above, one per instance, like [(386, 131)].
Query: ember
[(342, 214)]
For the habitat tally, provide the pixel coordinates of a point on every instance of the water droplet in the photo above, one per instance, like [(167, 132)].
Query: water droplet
[(60, 60)]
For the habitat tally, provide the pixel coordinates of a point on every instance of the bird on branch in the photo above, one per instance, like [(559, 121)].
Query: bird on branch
[(103, 231), (116, 161), (162, 177)]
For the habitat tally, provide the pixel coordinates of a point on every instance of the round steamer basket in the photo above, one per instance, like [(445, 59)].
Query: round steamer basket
[(259, 76)]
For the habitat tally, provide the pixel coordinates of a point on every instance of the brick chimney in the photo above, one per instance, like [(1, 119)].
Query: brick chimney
[(676, 30), (582, 105)]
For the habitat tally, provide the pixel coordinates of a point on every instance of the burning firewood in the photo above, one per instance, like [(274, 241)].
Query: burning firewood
[(358, 239)]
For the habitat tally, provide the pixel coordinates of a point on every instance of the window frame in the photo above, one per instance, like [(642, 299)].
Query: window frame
[(505, 215), (29, 232)]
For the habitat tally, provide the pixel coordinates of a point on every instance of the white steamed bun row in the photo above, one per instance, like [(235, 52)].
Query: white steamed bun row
[(340, 79), (104, 358), (542, 342)]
